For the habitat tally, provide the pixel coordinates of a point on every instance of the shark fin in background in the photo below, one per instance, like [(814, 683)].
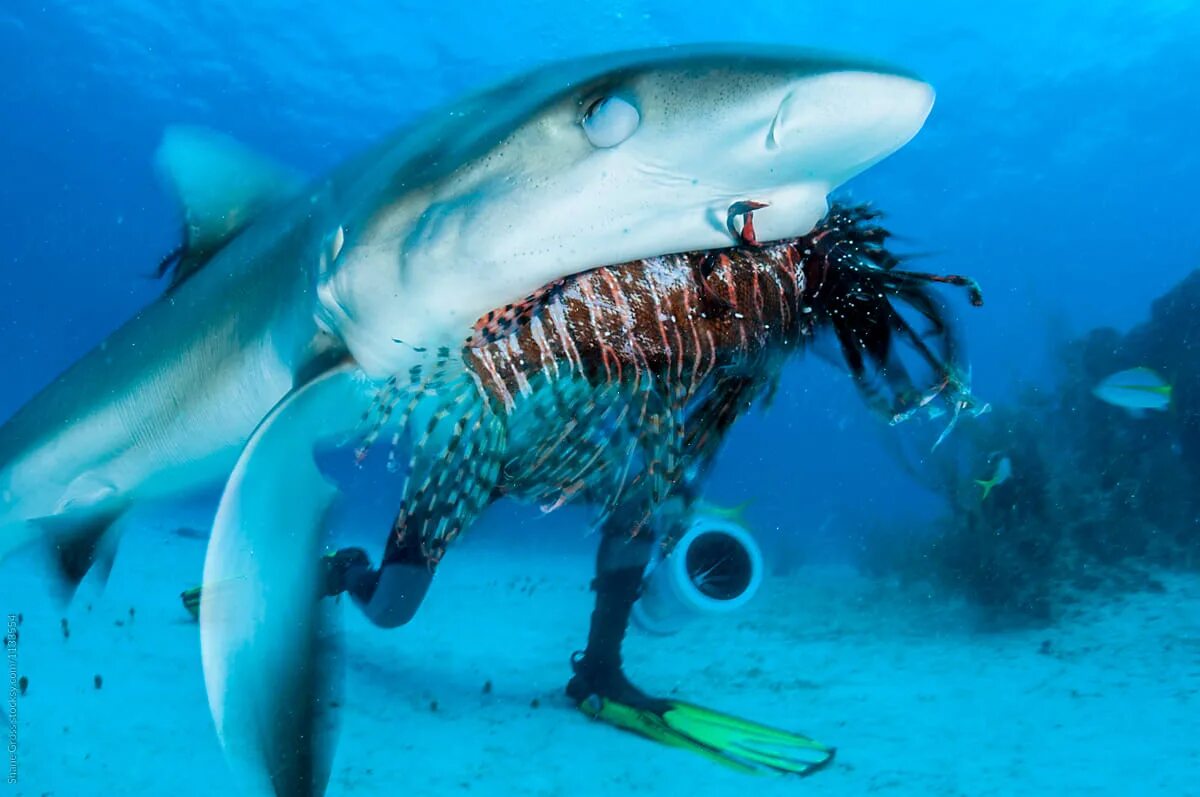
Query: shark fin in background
[(81, 544), (74, 543), (221, 186), (269, 645)]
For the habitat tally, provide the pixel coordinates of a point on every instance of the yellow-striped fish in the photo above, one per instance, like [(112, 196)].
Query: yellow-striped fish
[(1135, 390)]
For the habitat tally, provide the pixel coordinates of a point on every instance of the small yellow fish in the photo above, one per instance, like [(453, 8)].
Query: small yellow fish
[(735, 513), (1002, 474)]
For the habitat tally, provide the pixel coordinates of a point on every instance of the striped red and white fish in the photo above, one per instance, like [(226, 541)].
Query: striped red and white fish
[(613, 387), (631, 375)]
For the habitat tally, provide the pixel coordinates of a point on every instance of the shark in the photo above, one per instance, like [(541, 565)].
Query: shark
[(292, 298)]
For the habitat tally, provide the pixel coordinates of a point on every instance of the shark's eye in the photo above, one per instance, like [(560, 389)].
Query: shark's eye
[(610, 120)]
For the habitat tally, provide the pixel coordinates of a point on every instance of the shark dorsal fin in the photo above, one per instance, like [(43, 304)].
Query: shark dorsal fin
[(221, 185)]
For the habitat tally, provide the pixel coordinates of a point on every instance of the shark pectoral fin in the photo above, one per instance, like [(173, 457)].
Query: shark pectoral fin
[(270, 646), (221, 186), (75, 543)]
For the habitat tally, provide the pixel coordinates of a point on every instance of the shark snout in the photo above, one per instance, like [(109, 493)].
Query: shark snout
[(840, 123)]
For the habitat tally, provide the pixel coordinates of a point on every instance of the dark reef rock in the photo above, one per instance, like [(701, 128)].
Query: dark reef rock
[(1095, 495), (1170, 343)]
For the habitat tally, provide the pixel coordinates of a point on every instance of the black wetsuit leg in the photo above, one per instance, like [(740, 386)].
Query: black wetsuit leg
[(620, 567)]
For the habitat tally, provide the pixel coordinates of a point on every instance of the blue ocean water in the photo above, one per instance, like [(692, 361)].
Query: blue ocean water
[(1057, 168), (1060, 148)]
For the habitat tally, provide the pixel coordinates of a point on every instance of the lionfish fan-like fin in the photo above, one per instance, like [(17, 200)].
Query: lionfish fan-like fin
[(771, 386), (581, 439), (652, 463), (399, 397), (862, 291), (568, 425), (682, 446), (710, 419), (576, 441), (457, 441)]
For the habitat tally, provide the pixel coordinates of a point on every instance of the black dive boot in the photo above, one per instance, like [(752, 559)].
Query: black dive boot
[(388, 596), (602, 692), (347, 570), (598, 671)]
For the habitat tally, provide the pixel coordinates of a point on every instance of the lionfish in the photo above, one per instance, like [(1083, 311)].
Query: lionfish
[(619, 383)]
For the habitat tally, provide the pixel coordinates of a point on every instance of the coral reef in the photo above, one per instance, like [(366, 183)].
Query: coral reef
[(1097, 498)]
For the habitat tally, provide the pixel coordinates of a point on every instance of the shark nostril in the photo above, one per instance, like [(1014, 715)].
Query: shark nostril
[(844, 121)]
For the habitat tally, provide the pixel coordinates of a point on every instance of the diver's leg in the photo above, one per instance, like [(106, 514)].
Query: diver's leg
[(620, 567), (602, 692), (390, 595)]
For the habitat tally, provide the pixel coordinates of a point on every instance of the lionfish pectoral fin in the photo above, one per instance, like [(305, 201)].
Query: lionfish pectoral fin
[(459, 437), (714, 413), (270, 648), (612, 438)]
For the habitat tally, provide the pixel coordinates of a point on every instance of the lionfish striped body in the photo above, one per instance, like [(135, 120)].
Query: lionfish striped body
[(652, 319), (617, 384)]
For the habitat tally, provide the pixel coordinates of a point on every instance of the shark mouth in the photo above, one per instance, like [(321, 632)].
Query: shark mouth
[(616, 385)]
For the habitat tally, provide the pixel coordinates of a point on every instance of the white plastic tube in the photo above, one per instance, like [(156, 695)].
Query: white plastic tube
[(716, 568)]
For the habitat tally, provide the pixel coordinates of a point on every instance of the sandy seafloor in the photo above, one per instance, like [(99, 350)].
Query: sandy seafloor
[(917, 701)]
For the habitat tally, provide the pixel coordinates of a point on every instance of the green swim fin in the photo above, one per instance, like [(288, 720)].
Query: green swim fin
[(733, 742), (191, 599)]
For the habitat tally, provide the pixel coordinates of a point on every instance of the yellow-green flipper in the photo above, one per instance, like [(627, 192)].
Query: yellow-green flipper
[(737, 743), (191, 598), (191, 601)]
